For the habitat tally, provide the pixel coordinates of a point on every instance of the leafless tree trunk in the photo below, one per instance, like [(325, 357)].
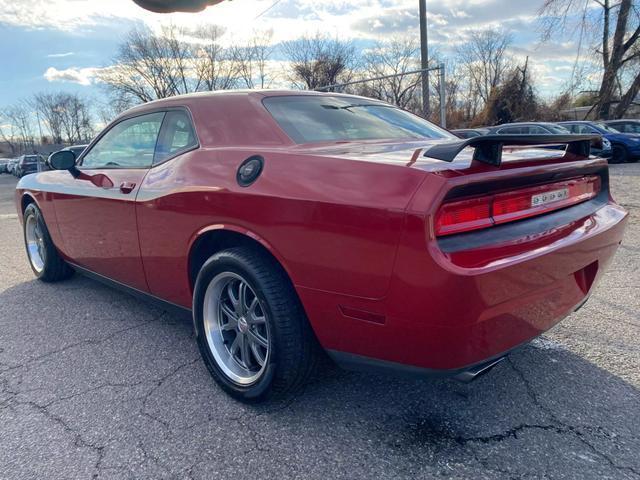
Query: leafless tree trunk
[(619, 51)]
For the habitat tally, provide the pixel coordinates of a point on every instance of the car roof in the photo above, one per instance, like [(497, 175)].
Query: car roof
[(519, 124), (232, 117), (198, 96)]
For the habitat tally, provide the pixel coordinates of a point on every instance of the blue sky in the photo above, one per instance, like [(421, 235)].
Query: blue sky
[(58, 44)]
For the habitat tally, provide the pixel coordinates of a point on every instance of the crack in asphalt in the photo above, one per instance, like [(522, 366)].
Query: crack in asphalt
[(562, 427), (78, 440), (158, 383), (88, 341)]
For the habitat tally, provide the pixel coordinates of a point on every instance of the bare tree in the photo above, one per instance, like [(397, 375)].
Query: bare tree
[(17, 127), (113, 106), (395, 57), (174, 61), (65, 115), (613, 28), (149, 66), (252, 60), (319, 61), (215, 67), (485, 60), (514, 100)]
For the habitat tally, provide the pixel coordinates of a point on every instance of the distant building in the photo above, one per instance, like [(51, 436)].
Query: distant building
[(588, 112)]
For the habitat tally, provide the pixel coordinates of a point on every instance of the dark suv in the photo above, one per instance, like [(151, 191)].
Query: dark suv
[(27, 164)]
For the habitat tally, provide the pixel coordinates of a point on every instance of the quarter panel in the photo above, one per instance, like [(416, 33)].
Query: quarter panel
[(335, 223)]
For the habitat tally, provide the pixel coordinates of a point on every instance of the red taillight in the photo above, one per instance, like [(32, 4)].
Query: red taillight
[(463, 216), (486, 211)]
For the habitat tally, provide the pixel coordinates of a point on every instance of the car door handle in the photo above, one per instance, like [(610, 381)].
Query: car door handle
[(127, 187)]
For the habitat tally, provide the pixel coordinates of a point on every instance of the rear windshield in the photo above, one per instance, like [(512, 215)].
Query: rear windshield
[(310, 119), (30, 159)]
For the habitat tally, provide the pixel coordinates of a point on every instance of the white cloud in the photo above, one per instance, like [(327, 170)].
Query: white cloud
[(450, 22), (60, 55), (82, 76)]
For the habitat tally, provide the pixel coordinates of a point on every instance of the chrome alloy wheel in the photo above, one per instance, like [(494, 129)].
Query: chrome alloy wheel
[(236, 328), (35, 243)]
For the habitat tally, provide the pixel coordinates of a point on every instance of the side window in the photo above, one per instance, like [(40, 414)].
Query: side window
[(129, 144), (177, 136), (510, 130), (535, 130), (573, 128), (586, 129)]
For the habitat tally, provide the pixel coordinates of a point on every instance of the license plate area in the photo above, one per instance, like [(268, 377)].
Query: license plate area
[(546, 198)]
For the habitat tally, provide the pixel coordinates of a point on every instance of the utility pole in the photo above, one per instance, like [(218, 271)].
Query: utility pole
[(443, 99), (424, 54)]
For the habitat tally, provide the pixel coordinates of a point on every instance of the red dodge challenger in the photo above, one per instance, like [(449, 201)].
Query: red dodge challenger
[(287, 222)]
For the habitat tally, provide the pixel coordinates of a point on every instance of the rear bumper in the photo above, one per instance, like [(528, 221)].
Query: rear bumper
[(443, 317)]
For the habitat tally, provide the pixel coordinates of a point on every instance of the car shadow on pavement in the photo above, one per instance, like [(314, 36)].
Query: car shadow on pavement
[(125, 381)]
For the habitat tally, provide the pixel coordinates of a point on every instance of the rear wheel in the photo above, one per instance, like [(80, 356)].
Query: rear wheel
[(251, 329), (620, 154), (44, 259)]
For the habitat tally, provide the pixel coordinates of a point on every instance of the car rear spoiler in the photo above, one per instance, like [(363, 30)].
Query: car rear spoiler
[(488, 148)]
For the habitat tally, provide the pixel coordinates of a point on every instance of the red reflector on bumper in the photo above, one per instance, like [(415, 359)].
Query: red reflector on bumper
[(482, 212)]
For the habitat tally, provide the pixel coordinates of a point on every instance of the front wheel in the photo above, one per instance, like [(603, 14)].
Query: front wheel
[(620, 154), (250, 326), (44, 258)]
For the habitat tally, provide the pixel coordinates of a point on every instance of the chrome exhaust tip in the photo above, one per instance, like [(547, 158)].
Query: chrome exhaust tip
[(472, 373)]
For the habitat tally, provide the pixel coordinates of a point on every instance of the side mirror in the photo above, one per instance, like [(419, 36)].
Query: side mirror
[(63, 160)]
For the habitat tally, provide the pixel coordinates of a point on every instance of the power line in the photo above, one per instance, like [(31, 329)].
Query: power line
[(273, 5)]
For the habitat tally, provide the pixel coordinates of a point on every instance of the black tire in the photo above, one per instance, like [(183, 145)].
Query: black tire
[(293, 347), (55, 269), (620, 154)]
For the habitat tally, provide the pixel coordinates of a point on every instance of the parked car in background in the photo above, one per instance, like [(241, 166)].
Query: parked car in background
[(625, 125), (547, 128), (470, 132), (625, 146), (289, 220), (4, 162), (27, 164), (529, 128)]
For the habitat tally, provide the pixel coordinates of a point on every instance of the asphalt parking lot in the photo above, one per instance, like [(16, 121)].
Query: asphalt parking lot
[(97, 384)]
